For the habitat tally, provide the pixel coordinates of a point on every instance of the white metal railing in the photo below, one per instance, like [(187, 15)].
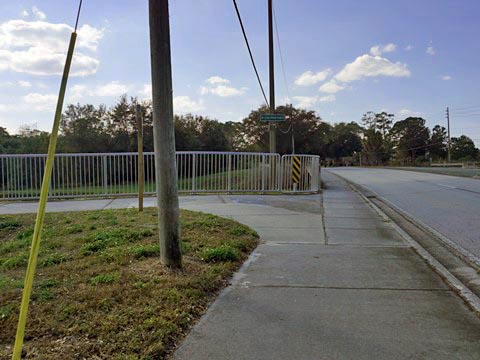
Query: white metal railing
[(115, 174)]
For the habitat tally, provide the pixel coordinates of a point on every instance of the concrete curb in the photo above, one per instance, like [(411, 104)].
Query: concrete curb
[(458, 250), (472, 300)]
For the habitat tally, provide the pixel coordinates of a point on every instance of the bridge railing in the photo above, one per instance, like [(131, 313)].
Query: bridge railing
[(115, 174)]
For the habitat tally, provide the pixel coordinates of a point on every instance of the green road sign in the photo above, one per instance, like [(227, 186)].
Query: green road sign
[(272, 117)]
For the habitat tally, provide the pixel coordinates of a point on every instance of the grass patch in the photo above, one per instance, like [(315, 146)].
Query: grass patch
[(219, 254), (104, 279), (100, 289), (53, 259), (7, 223), (144, 251)]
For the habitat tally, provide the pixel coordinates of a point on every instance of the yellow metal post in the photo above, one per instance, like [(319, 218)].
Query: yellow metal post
[(32, 261), (140, 174)]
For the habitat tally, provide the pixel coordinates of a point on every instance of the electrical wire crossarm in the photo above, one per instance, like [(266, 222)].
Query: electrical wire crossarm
[(250, 52)]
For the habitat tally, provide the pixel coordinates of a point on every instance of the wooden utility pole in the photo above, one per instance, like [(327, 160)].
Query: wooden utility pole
[(271, 127), (140, 174), (164, 134), (448, 132)]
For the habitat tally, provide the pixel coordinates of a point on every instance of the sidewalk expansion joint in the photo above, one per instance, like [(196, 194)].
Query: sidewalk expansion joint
[(279, 243), (351, 217), (108, 204), (350, 228), (326, 287), (285, 227)]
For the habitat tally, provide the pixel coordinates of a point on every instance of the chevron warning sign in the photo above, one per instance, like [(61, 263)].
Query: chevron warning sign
[(296, 169)]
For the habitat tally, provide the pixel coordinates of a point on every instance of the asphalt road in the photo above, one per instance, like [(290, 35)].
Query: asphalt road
[(449, 204)]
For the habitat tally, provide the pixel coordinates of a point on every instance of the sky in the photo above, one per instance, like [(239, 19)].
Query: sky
[(341, 58)]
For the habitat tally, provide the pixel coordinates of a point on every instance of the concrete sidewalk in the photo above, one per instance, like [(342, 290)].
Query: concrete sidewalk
[(331, 283), (331, 280)]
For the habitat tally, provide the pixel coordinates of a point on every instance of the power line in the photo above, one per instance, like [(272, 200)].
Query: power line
[(250, 51), (466, 115), (281, 54), (78, 14), (467, 107)]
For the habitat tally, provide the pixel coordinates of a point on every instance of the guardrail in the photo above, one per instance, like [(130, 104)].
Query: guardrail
[(115, 174)]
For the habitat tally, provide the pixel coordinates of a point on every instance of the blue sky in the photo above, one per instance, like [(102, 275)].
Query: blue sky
[(342, 58)]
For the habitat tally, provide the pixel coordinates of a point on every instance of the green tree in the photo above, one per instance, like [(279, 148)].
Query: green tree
[(463, 149), (345, 140), (438, 143), (411, 138), (377, 144), (84, 129), (305, 124)]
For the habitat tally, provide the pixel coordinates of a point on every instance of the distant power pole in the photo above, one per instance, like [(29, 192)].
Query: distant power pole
[(448, 132), (271, 127), (164, 134)]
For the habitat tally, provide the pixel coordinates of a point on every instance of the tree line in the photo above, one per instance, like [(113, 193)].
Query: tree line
[(376, 140)]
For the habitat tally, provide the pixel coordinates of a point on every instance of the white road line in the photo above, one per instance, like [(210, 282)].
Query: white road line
[(447, 186)]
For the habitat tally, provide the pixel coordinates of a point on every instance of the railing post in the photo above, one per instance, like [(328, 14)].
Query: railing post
[(264, 164), (194, 172), (105, 178), (229, 173), (279, 172)]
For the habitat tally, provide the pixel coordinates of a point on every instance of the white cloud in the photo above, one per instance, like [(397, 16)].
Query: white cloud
[(89, 37), (183, 104), (371, 66), (113, 88), (24, 84), (39, 15), (41, 102), (146, 91), (39, 48), (328, 98), (408, 113), (408, 47), (311, 78), (331, 87), (307, 102), (380, 49), (220, 88), (446, 77), (430, 50), (76, 92), (24, 13), (226, 91), (214, 80)]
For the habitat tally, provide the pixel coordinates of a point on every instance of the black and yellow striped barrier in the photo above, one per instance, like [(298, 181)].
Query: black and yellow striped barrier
[(296, 169)]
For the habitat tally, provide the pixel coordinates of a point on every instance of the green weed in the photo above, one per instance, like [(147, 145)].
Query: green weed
[(218, 254), (8, 224), (144, 251), (53, 259), (104, 279)]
